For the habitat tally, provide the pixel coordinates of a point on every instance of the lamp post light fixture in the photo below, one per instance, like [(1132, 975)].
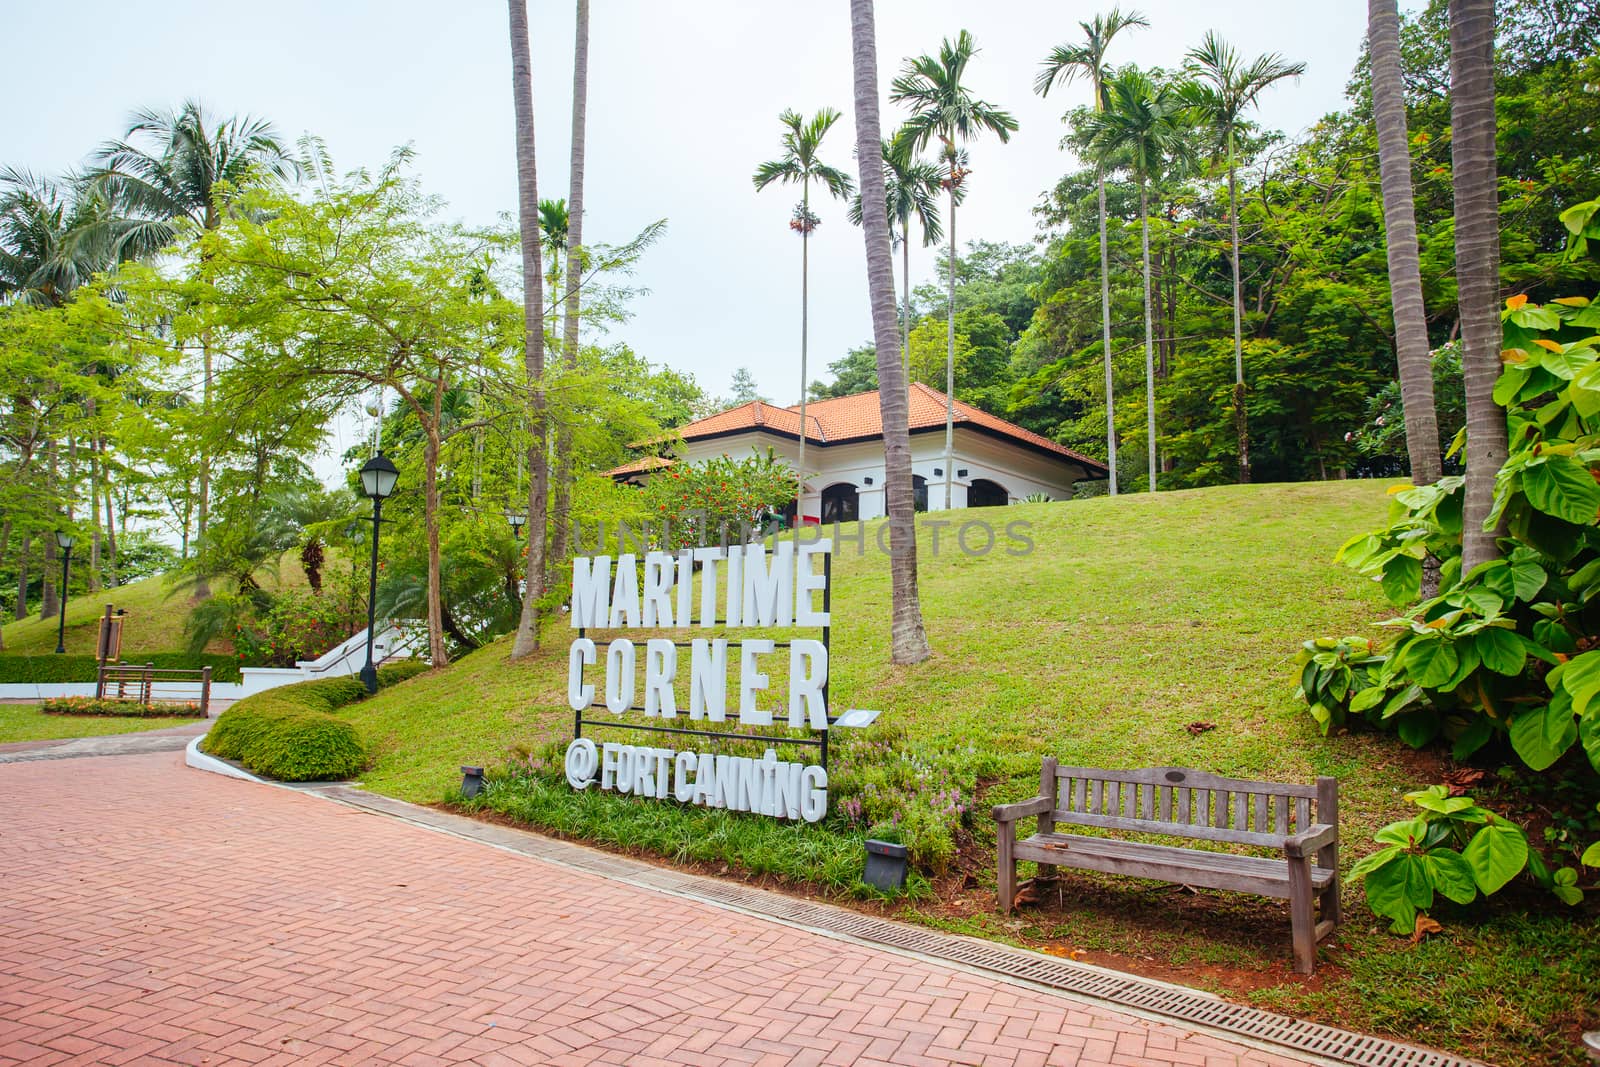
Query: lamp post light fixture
[(65, 539), (378, 476), (517, 519)]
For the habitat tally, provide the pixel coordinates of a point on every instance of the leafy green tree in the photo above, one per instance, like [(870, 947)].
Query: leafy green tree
[(1088, 60), (942, 108), (744, 388), (1225, 87), (801, 164), (175, 171)]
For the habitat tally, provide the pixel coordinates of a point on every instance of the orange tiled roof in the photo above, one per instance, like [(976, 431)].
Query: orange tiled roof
[(851, 418), (640, 466)]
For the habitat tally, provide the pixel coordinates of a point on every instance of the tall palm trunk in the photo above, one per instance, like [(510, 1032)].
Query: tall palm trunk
[(527, 639), (1149, 329), (908, 640), (950, 347), (1241, 417), (1400, 226), (805, 297), (1105, 326), (569, 326), (47, 587), (1472, 154), (905, 324), (110, 557)]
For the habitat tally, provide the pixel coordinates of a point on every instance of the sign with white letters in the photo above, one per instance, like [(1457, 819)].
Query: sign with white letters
[(683, 687)]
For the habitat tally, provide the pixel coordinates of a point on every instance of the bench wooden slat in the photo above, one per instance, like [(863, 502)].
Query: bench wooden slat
[(1153, 826), (1281, 804), (1190, 777), (1214, 870), (1302, 815), (1260, 823)]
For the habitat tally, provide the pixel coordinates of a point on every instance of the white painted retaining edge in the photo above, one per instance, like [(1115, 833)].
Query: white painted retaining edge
[(193, 757)]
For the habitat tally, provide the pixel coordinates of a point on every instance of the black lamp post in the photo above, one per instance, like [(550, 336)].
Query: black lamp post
[(65, 540), (517, 519), (378, 476)]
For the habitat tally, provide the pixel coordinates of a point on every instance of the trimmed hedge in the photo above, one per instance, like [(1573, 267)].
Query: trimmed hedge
[(291, 733), (131, 709), (34, 670)]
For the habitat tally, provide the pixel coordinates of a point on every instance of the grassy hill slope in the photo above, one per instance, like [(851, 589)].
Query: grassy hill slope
[(1130, 619), (156, 615)]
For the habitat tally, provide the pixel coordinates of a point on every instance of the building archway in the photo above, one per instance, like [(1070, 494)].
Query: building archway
[(840, 503), (983, 493), (919, 493)]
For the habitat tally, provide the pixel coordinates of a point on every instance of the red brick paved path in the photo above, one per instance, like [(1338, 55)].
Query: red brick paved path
[(153, 913)]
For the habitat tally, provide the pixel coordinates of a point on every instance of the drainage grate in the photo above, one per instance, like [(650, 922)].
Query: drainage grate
[(1126, 991)]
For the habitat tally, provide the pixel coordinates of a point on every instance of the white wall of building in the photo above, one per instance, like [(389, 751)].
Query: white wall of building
[(1021, 471)]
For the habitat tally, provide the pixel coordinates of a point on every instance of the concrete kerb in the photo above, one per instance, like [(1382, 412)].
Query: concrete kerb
[(672, 882), (193, 757)]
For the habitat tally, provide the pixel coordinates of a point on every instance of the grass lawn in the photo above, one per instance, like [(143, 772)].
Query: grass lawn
[(154, 623), (1132, 618), (25, 722)]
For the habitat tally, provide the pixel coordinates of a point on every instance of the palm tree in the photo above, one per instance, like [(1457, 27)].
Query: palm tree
[(180, 168), (1225, 88), (1472, 156), (1142, 129), (908, 638), (562, 502), (1400, 226), (1088, 60), (800, 164), (527, 639), (941, 107), (553, 225), (911, 187), (47, 238)]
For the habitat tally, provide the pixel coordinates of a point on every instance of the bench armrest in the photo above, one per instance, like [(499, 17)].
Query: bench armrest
[(1311, 840), (1022, 809)]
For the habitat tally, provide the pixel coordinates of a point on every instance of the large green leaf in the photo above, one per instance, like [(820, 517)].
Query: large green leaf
[(1451, 875), (1580, 677), (1527, 577), (1399, 889), (1585, 390), (1402, 579), (1372, 861), (1591, 855), (1368, 698), (1418, 728), (1474, 737), (1500, 650), (1407, 834), (1542, 735), (1497, 853), (1432, 661), (1589, 733), (1563, 487)]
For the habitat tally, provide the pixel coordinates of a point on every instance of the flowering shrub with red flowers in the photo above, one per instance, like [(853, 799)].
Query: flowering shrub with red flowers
[(298, 626), (727, 492)]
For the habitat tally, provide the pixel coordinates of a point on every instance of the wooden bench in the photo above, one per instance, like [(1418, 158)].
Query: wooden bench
[(1302, 821)]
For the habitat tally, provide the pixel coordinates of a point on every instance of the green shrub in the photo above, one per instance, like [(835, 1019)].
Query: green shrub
[(37, 670), (292, 734), (126, 708)]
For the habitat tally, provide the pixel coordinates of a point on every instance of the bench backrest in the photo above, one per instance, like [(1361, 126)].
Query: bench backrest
[(1183, 802)]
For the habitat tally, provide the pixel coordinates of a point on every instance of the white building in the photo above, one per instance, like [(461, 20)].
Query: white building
[(996, 462)]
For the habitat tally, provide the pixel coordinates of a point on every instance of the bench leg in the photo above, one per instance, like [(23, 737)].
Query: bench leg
[(1008, 867), (1302, 916)]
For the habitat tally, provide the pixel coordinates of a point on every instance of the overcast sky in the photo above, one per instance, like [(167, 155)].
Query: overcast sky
[(683, 104)]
